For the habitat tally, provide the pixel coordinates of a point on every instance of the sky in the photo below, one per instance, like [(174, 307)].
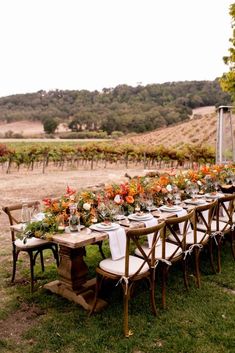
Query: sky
[(96, 44)]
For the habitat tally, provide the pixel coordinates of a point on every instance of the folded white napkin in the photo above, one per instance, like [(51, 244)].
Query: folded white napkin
[(150, 223), (117, 243)]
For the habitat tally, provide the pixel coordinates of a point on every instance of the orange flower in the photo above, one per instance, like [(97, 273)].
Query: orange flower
[(163, 180), (157, 188), (130, 199), (164, 191)]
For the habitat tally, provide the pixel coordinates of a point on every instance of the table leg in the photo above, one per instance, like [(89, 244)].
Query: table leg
[(72, 283)]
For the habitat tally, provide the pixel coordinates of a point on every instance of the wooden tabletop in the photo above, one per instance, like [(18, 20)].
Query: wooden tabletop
[(87, 236)]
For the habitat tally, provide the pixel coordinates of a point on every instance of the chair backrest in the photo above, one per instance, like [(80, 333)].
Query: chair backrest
[(204, 215), (175, 232), (135, 239), (14, 214), (225, 211)]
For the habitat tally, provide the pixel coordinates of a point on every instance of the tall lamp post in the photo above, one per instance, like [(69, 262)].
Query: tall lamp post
[(225, 143)]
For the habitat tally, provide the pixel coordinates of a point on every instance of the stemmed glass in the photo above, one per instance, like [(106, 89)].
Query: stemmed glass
[(194, 191), (216, 186), (149, 202)]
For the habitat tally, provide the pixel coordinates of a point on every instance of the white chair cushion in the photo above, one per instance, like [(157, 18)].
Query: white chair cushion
[(225, 218), (190, 237), (213, 226), (117, 267), (30, 243), (170, 249)]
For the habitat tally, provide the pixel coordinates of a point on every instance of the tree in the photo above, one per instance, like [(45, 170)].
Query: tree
[(50, 125), (227, 81)]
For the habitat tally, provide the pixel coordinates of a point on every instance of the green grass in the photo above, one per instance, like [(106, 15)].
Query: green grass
[(197, 321)]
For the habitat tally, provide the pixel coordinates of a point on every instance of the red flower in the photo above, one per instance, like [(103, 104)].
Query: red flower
[(47, 202), (70, 191)]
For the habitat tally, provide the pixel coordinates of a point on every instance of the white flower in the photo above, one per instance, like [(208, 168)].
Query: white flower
[(87, 206), (169, 188), (199, 183), (117, 199)]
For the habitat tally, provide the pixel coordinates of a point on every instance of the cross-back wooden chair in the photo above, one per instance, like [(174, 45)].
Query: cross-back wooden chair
[(224, 225), (221, 226), (202, 235), (174, 247), (33, 246), (130, 268)]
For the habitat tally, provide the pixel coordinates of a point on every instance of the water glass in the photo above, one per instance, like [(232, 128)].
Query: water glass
[(25, 213)]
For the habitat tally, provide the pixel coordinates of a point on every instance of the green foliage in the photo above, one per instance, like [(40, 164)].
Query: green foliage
[(27, 154), (123, 108), (50, 125), (196, 321), (227, 81)]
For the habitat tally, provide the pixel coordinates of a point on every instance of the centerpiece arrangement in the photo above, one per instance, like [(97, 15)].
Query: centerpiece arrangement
[(87, 207)]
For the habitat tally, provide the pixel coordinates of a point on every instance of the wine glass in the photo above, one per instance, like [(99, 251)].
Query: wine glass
[(149, 203), (194, 191), (177, 198), (216, 186)]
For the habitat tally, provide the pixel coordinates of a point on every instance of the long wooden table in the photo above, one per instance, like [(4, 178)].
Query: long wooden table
[(72, 282)]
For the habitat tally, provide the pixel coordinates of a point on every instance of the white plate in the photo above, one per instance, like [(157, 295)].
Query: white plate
[(120, 217), (144, 217), (214, 196), (171, 209), (67, 229), (195, 202), (101, 226), (38, 217)]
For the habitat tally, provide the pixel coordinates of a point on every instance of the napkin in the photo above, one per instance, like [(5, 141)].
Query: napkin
[(150, 223), (117, 243)]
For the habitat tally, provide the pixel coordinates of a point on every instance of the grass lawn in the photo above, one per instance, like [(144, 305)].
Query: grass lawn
[(197, 321)]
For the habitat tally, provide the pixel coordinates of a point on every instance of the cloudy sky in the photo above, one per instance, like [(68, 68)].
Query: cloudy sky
[(92, 44)]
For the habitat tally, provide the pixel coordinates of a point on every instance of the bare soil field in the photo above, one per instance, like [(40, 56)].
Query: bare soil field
[(26, 128)]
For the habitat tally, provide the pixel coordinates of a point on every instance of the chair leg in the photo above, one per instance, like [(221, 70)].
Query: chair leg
[(31, 257), (126, 295), (152, 292), (42, 261), (14, 258), (100, 249), (99, 280), (55, 251), (233, 243), (185, 273), (219, 247), (164, 275), (197, 267), (211, 255)]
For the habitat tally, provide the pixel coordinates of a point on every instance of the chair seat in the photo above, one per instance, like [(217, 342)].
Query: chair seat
[(30, 243), (201, 237), (117, 267), (225, 218), (213, 226), (170, 249)]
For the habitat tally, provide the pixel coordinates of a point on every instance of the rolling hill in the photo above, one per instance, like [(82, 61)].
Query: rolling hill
[(200, 129)]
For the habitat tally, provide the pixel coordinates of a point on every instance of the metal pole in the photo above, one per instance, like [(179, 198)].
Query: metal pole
[(219, 152), (231, 129)]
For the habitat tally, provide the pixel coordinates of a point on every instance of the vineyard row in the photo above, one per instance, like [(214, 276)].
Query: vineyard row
[(96, 155)]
